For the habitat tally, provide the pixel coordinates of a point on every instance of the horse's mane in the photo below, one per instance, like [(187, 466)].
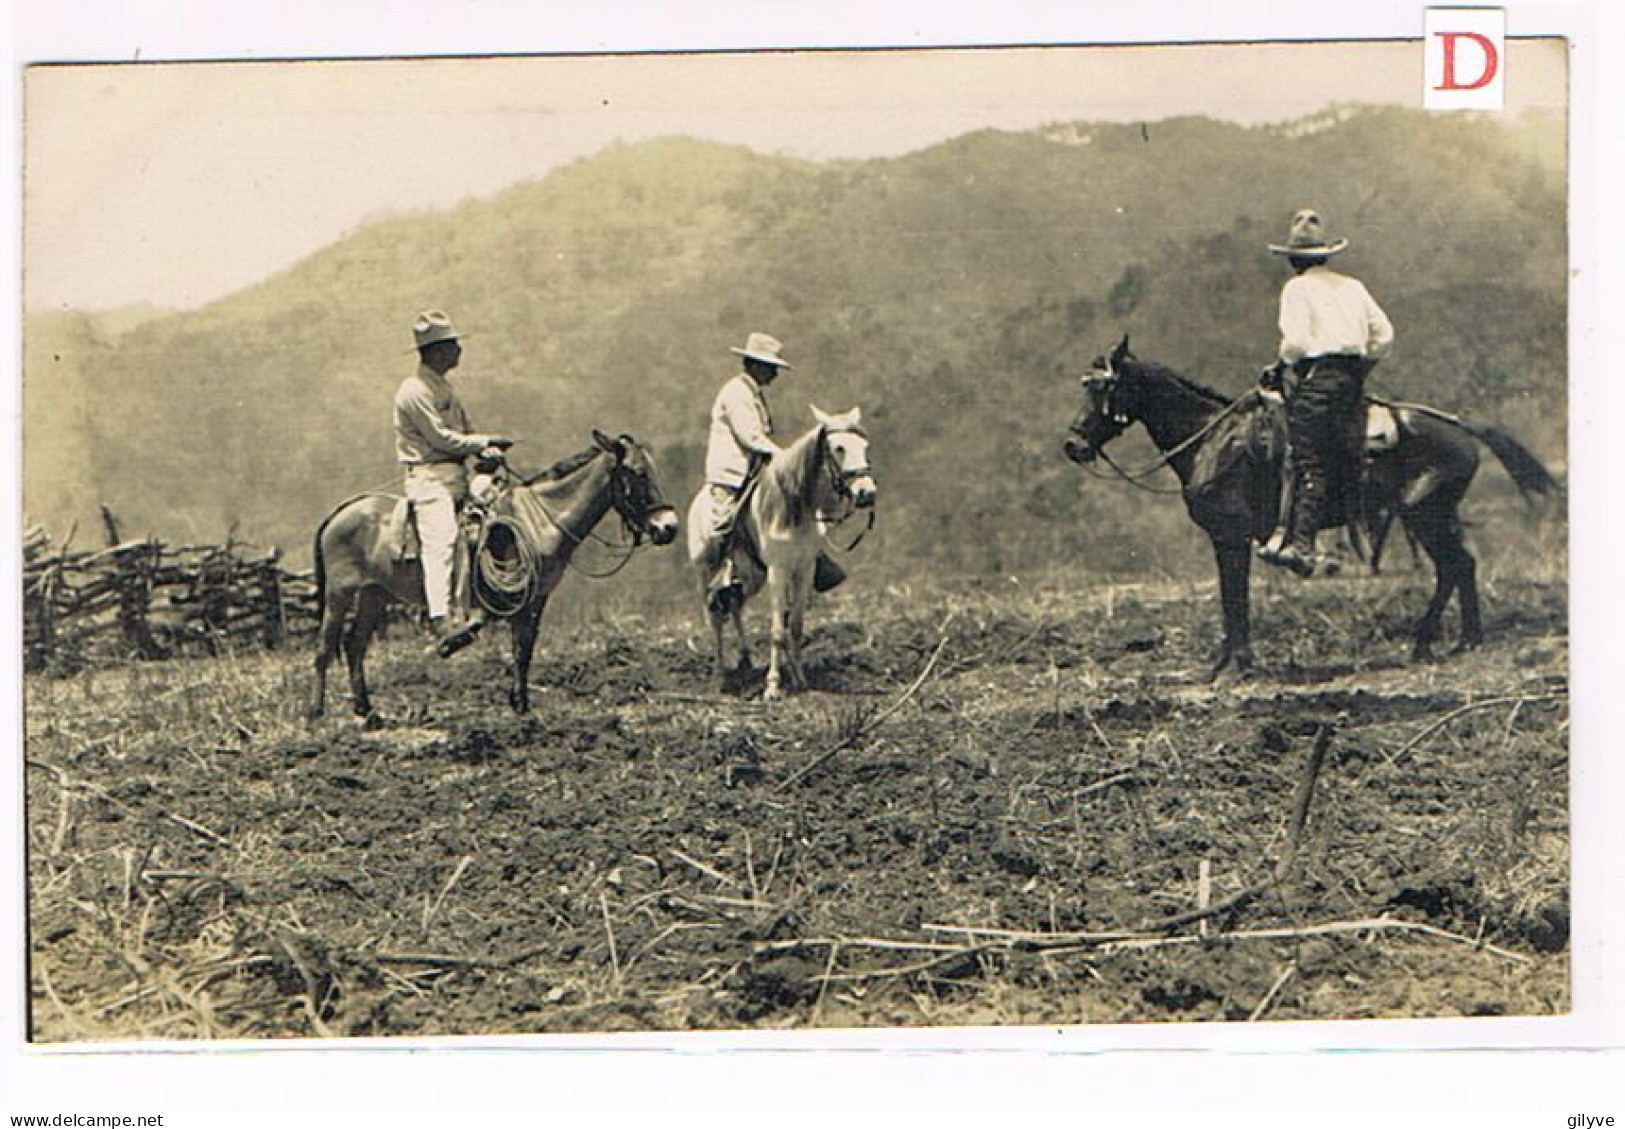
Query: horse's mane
[(565, 466), (1200, 391), (795, 475)]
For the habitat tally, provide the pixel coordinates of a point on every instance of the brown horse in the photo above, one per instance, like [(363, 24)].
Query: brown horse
[(543, 520), (1227, 454), (822, 476)]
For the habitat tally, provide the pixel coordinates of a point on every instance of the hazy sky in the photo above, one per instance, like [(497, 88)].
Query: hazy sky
[(177, 183)]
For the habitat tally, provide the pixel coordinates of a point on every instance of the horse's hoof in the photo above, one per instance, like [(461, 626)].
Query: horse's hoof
[(372, 719), (1467, 646)]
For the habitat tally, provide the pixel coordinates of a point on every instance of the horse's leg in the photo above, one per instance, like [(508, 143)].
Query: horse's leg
[(526, 626), (1472, 624), (1436, 542), (778, 615), (743, 666), (1235, 570), (1381, 527), (329, 636), (719, 668), (369, 610), (795, 622)]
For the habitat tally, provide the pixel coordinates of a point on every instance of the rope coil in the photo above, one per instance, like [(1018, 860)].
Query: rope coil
[(504, 568)]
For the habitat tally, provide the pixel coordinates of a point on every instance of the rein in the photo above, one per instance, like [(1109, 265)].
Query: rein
[(862, 533), (630, 547), (1137, 476)]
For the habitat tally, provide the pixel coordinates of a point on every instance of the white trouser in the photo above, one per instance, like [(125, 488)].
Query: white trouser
[(436, 490)]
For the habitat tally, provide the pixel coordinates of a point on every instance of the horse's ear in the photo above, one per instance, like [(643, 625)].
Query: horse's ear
[(822, 418), (613, 446), (1121, 353)]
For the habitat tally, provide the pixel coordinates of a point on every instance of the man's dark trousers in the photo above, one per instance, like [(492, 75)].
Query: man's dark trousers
[(1327, 433)]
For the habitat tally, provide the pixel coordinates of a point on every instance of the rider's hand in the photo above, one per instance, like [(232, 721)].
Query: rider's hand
[(1270, 377), (500, 442)]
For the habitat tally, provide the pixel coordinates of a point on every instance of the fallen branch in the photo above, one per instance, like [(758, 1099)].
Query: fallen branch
[(1368, 925), (862, 943), (1440, 723), (874, 722)]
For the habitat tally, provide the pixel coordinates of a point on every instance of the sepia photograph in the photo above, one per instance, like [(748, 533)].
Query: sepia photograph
[(796, 540)]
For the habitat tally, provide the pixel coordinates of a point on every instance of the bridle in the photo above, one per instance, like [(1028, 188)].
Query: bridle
[(841, 478), (1102, 386)]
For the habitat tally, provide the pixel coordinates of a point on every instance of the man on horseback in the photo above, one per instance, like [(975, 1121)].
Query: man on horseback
[(739, 444), (432, 440), (1332, 334)]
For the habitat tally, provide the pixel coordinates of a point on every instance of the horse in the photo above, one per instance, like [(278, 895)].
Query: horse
[(543, 520), (823, 477), (1228, 452)]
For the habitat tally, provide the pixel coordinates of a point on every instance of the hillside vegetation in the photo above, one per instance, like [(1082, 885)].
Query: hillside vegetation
[(954, 292)]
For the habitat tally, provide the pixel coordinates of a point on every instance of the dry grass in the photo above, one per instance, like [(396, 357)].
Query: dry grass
[(1036, 771)]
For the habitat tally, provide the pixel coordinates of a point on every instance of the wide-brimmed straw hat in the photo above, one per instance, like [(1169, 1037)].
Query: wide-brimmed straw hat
[(1307, 239), (761, 347), (432, 326)]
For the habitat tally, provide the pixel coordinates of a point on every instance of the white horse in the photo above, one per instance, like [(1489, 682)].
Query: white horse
[(819, 479)]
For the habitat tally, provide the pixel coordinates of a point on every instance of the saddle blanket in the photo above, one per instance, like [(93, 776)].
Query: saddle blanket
[(1381, 429), (400, 531)]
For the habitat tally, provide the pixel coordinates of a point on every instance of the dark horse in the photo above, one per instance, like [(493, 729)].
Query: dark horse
[(544, 519), (1227, 454)]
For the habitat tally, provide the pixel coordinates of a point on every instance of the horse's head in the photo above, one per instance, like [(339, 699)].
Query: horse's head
[(1106, 412), (847, 447), (635, 492)]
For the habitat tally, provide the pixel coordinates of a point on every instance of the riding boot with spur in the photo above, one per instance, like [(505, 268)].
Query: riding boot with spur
[(1298, 555), (452, 636)]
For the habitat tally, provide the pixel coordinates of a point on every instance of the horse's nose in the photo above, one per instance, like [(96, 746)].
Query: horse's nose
[(663, 528), (863, 492), (1079, 451)]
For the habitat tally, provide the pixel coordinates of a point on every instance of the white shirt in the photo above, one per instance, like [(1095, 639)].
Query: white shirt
[(430, 423), (1324, 314), (740, 427)]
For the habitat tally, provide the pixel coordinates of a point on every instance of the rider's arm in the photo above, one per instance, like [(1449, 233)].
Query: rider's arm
[(415, 409), (744, 419), (1379, 330)]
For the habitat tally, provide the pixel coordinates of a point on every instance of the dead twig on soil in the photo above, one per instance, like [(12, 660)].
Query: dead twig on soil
[(709, 871), (432, 910), (874, 722), (68, 782), (609, 933), (1331, 928), (1269, 997), (863, 943), (1440, 723)]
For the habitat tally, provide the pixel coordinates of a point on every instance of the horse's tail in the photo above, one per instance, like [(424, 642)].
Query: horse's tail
[(1527, 472), (321, 560), (321, 566)]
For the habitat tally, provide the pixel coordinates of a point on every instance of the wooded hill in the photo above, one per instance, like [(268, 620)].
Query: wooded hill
[(955, 293)]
